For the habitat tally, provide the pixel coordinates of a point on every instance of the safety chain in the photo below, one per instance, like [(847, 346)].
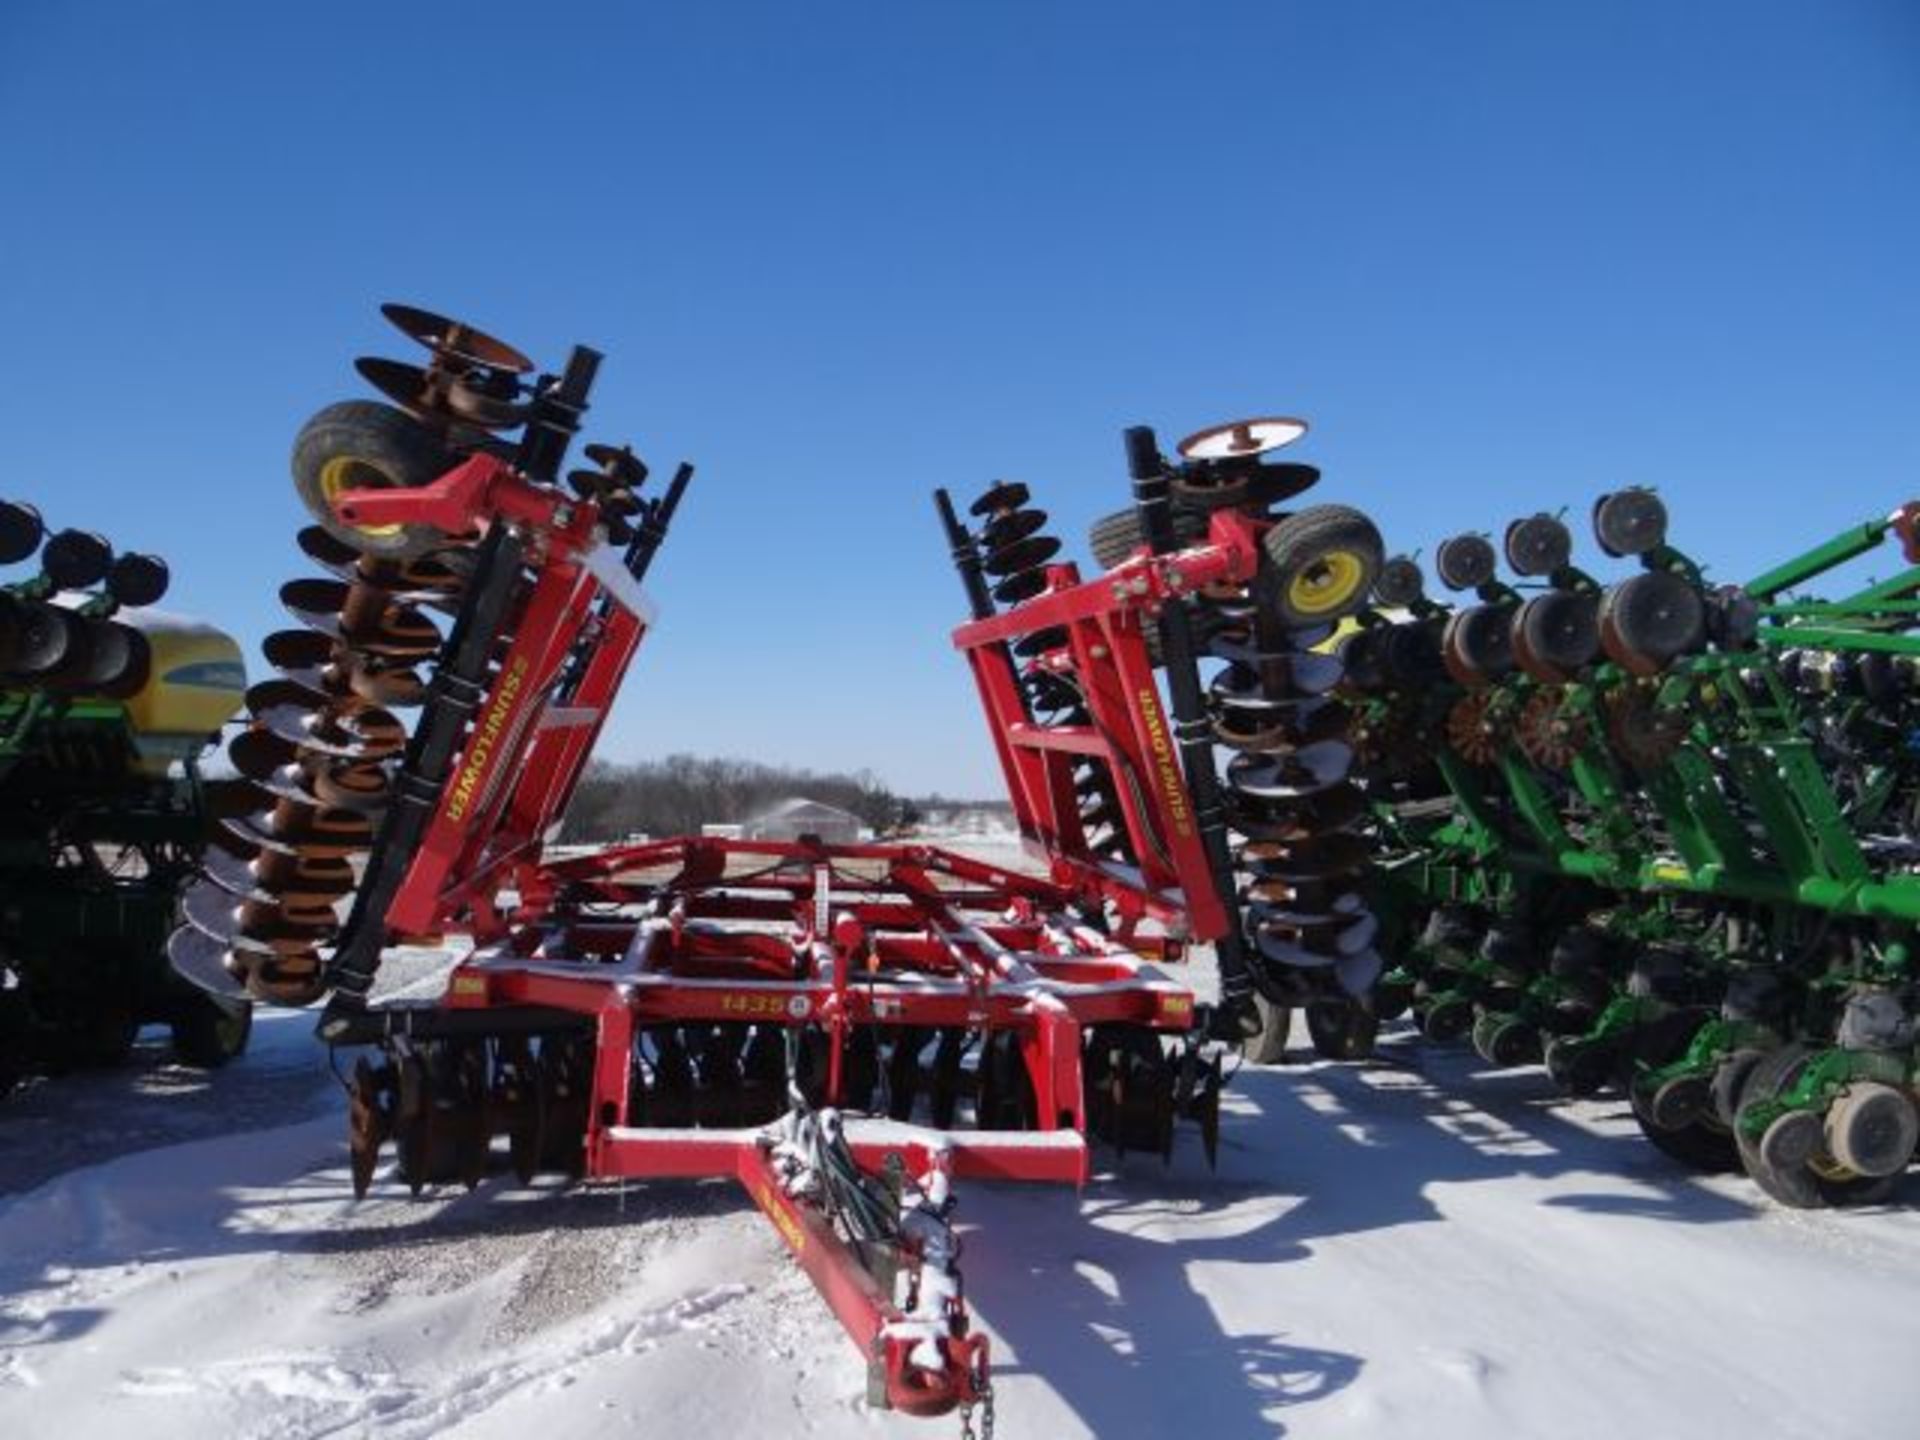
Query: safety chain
[(983, 1393)]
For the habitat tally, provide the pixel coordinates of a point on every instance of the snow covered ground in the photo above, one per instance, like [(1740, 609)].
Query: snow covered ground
[(1397, 1249)]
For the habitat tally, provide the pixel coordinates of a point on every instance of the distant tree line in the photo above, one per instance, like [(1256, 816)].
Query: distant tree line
[(680, 793)]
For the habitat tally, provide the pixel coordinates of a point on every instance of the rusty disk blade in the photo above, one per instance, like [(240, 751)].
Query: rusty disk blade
[(250, 833), (1291, 774), (323, 666), (387, 687), (285, 979), (424, 580), (1282, 948), (1242, 439), (366, 735), (619, 464), (332, 555), (427, 579), (1326, 896), (1023, 586), (1325, 857), (441, 395), (1346, 930), (1001, 496), (1336, 809), (282, 691), (232, 873), (368, 1126), (364, 787), (327, 834), (395, 629), (211, 911), (201, 961), (1291, 678), (1304, 722), (299, 651), (273, 936), (255, 754), (1357, 973), (455, 339), (273, 878), (268, 928)]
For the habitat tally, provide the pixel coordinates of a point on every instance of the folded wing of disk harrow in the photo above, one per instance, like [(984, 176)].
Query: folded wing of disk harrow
[(444, 681), (1118, 787)]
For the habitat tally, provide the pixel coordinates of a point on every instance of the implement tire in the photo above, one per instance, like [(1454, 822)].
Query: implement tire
[(364, 445), (1322, 564), (1112, 538)]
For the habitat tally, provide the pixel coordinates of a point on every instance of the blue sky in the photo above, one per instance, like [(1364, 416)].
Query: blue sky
[(1503, 255)]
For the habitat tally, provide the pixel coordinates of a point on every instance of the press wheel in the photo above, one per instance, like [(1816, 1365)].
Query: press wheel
[(1787, 1160)]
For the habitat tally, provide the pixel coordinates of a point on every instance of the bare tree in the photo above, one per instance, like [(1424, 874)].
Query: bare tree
[(678, 794)]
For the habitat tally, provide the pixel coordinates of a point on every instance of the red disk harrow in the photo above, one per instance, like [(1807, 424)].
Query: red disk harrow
[(848, 1030)]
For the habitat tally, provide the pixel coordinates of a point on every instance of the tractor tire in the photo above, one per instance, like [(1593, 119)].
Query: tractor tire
[(365, 445), (207, 1034), (1322, 563)]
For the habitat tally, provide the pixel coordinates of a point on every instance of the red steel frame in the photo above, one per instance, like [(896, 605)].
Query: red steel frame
[(807, 934), (1128, 729), (524, 754)]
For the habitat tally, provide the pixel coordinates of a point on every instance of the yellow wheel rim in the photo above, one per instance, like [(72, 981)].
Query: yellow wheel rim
[(346, 472), (1328, 585)]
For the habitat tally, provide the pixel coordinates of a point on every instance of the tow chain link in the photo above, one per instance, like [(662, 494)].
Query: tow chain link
[(983, 1391)]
